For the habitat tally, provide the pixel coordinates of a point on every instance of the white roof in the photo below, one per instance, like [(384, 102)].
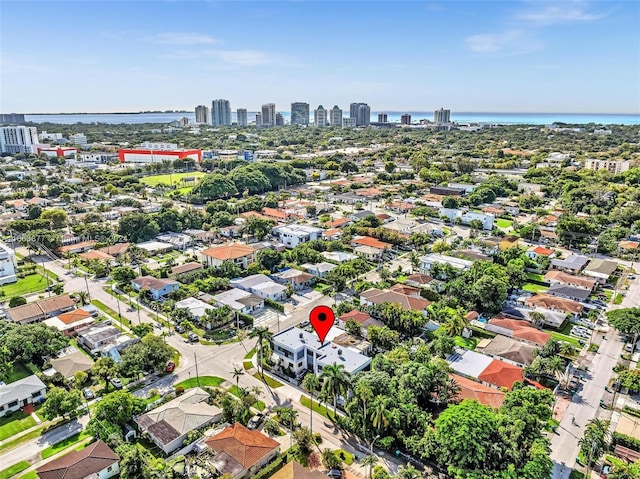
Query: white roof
[(233, 298), (250, 281), (297, 230), (21, 389), (339, 256), (468, 363), (195, 306), (320, 267), (152, 246), (440, 258)]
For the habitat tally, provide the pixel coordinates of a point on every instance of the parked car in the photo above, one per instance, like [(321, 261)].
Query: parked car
[(116, 383), (255, 421), (304, 324), (180, 329), (335, 474), (193, 338), (88, 393), (170, 366)]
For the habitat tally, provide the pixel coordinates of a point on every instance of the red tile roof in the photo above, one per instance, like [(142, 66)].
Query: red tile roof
[(501, 374), (539, 250), (549, 301), (150, 282), (521, 330), (275, 213), (337, 223), (79, 464), (372, 242), (73, 316), (569, 279), (246, 447), (358, 316), (473, 390), (331, 232), (230, 251), (96, 254)]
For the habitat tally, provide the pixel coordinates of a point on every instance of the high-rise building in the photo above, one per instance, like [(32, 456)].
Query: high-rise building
[(79, 139), (220, 112), (202, 114), (442, 116), (268, 114), (242, 116), (18, 139), (405, 119), (335, 116), (258, 119), (382, 118), (320, 116), (348, 122), (361, 112), (300, 113), (279, 119), (12, 118)]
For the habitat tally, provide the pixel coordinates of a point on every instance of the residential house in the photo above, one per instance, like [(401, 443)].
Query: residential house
[(8, 265), (69, 364), (18, 394), (158, 287), (466, 217), (294, 470), (518, 329), (446, 191), (97, 255), (76, 248), (201, 236), (501, 374), (359, 215), (115, 250), (294, 234), (69, 323), (571, 264), (427, 262), (474, 390), (507, 242), (239, 253), (42, 309), (569, 292), (102, 339), (535, 253), (95, 461), (507, 349), (262, 286), (239, 300), (332, 234), (547, 301), (402, 226), (155, 247), (558, 277), (485, 369), (376, 296), (553, 319), (319, 270), (339, 256), (298, 351), (339, 223), (295, 278), (176, 271), (600, 269), (168, 424), (419, 280), (197, 308), (240, 453), (363, 319), (493, 210), (511, 207)]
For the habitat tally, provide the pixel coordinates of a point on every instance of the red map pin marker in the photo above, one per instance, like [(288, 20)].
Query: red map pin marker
[(322, 319)]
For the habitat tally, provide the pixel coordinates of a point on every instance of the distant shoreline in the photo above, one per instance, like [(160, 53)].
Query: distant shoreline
[(399, 112)]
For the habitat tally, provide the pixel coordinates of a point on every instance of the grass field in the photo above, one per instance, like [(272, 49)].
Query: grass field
[(564, 337), (214, 381), (29, 284), (13, 470), (618, 299), (272, 383), (19, 371), (502, 223), (19, 440), (59, 446), (29, 475), (173, 179), (534, 288), (318, 408), (18, 422), (467, 343), (535, 276)]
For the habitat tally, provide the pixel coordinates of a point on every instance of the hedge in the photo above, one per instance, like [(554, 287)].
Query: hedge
[(625, 441), (273, 467), (274, 304)]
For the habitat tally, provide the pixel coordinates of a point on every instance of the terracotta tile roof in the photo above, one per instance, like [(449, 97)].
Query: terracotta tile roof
[(56, 303), (370, 192), (470, 389), (539, 250), (471, 315), (372, 242), (419, 278), (186, 268), (629, 244), (294, 470), (275, 213), (331, 232), (79, 464), (73, 316), (493, 210), (81, 245), (96, 254), (549, 301), (377, 296), (521, 330), (337, 223), (358, 316), (253, 214), (501, 374), (230, 251), (149, 282), (403, 289), (548, 234), (570, 279), (383, 216), (115, 249), (244, 446)]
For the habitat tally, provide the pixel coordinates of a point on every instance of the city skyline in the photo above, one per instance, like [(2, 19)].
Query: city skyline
[(521, 57)]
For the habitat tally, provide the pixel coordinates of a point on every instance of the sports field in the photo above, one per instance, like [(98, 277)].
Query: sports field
[(175, 179)]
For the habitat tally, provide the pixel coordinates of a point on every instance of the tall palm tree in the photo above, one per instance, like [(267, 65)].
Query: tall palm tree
[(236, 373), (380, 413), (595, 440), (455, 324), (414, 260), (336, 382), (363, 390), (536, 318), (261, 334), (311, 383), (83, 297), (369, 460), (408, 472)]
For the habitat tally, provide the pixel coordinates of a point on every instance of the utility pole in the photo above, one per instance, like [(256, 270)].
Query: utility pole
[(195, 359)]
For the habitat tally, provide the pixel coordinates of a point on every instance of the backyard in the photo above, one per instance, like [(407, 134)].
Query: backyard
[(502, 223), (172, 179), (29, 284)]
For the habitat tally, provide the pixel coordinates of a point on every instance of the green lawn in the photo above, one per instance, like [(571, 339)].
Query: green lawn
[(174, 178), (564, 337), (29, 475), (250, 354), (272, 383), (29, 284), (59, 446), (110, 312), (535, 276), (24, 438), (19, 372), (318, 408), (467, 343), (259, 405), (13, 470), (502, 223), (247, 365), (344, 456), (18, 422), (618, 299), (534, 288), (214, 381)]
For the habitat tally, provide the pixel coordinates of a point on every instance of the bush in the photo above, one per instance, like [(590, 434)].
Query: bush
[(274, 304), (625, 441), (179, 390), (273, 467)]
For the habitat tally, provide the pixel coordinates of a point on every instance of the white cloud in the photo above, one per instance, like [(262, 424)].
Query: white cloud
[(230, 58), (543, 13), (513, 42), (182, 38)]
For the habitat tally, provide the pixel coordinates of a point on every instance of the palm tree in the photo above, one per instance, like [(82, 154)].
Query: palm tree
[(536, 318), (380, 413), (236, 373), (455, 324), (369, 460), (365, 393), (414, 259), (83, 296), (311, 383), (336, 382), (408, 472), (261, 334), (595, 440), (555, 365)]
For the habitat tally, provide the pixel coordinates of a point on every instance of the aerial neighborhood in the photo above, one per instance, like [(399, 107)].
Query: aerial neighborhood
[(158, 281)]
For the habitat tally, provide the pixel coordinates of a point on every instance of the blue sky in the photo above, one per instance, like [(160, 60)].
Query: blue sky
[(477, 56)]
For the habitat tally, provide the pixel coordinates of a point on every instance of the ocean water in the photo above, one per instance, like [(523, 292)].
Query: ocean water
[(392, 116)]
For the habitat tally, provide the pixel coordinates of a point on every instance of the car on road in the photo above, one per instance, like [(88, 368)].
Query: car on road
[(180, 329), (255, 421), (193, 338), (170, 366), (304, 324), (116, 383), (88, 393)]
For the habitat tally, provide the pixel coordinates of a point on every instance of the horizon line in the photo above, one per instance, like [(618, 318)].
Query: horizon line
[(139, 112)]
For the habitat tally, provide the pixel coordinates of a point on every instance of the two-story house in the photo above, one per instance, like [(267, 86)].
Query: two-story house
[(158, 287), (239, 253)]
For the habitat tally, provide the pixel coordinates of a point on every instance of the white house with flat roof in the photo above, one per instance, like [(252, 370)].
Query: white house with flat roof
[(262, 286), (467, 217), (7, 265), (294, 234), (197, 309), (427, 261), (300, 351), (239, 300)]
